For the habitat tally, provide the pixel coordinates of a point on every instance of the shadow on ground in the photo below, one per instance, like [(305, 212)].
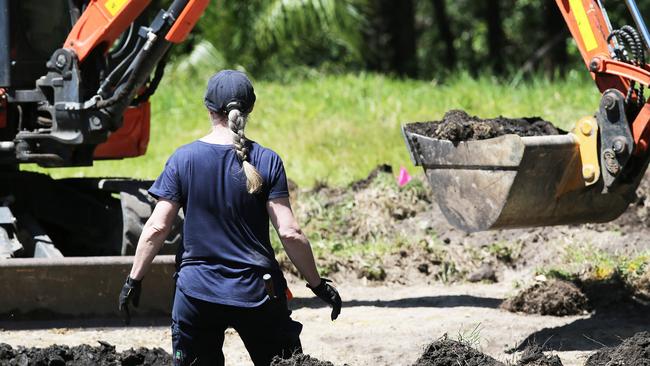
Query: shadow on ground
[(446, 301), (84, 323), (49, 320), (605, 327)]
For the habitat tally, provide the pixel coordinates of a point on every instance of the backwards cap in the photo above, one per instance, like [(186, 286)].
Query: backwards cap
[(229, 86)]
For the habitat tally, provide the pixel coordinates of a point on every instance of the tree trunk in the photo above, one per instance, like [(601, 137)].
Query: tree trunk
[(444, 30), (557, 57), (399, 17), (496, 37)]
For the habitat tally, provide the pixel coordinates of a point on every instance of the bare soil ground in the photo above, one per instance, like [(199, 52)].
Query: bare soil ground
[(379, 325)]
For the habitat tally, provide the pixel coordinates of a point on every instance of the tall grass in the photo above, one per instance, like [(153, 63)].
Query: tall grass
[(337, 128)]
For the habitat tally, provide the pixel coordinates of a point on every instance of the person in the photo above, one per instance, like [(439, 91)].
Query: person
[(228, 187)]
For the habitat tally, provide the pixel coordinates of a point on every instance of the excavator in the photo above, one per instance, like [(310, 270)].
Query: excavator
[(587, 175), (75, 81)]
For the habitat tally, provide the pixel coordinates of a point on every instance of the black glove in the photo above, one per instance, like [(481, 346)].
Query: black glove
[(130, 292), (328, 293)]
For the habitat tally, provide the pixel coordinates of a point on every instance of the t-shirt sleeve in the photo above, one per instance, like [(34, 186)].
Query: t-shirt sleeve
[(167, 185), (278, 187)]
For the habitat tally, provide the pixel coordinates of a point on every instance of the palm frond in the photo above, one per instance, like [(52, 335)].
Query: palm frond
[(293, 21)]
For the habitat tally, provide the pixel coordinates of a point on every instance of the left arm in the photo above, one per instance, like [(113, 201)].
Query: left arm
[(154, 233)]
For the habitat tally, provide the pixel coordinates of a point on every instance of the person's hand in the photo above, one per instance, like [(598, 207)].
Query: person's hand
[(130, 293), (328, 293)]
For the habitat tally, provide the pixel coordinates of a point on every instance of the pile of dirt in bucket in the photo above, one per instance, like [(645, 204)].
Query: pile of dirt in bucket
[(103, 355), (534, 356), (457, 125), (447, 352), (554, 297), (300, 360), (634, 351)]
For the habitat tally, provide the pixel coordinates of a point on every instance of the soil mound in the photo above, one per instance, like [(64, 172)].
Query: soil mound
[(534, 356), (555, 297), (447, 352), (102, 355), (457, 125), (299, 360), (634, 351)]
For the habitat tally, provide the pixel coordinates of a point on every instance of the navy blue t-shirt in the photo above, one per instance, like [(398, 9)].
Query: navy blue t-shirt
[(226, 248)]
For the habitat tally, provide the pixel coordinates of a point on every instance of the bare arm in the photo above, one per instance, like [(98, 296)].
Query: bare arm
[(153, 236), (293, 240)]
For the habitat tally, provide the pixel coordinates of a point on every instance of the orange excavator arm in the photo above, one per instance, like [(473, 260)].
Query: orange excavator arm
[(104, 21), (100, 25), (94, 97), (587, 20)]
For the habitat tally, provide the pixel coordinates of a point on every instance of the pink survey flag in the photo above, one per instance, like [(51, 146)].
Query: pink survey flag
[(404, 177)]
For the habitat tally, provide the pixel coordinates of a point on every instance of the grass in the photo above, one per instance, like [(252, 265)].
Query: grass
[(337, 128), (587, 262)]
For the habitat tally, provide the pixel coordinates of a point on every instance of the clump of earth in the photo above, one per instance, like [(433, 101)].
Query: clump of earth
[(299, 359), (448, 352), (534, 356), (554, 297), (634, 351), (457, 125), (102, 355)]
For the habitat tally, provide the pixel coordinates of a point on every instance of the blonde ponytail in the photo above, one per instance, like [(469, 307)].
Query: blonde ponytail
[(237, 123)]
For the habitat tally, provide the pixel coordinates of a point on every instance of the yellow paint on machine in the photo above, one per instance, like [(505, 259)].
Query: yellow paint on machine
[(587, 34), (114, 6)]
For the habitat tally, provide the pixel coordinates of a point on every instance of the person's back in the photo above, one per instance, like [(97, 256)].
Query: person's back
[(226, 228), (229, 188)]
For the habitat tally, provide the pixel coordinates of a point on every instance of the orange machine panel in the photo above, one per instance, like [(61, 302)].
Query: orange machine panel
[(102, 22), (186, 20), (588, 27), (131, 139)]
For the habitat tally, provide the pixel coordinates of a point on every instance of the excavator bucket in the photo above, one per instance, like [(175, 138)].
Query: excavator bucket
[(512, 181)]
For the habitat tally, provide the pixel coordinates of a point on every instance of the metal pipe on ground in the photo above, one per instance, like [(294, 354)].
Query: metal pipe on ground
[(73, 287)]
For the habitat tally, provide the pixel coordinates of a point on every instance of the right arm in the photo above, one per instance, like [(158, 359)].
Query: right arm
[(293, 240)]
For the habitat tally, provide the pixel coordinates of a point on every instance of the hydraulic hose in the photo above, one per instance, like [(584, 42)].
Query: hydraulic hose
[(153, 50)]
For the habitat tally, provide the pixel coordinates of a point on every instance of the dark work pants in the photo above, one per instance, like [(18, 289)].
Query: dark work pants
[(198, 329)]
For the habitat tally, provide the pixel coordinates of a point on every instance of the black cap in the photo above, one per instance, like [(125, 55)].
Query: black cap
[(229, 86)]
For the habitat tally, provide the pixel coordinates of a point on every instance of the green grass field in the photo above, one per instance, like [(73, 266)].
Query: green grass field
[(337, 128)]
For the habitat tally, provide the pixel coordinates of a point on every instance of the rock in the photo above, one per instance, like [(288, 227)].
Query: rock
[(484, 273)]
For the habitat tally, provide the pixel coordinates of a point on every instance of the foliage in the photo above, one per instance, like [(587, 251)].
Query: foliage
[(277, 39), (585, 262), (265, 37)]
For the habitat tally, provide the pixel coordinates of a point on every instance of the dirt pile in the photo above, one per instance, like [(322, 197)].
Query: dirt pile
[(102, 355), (634, 351), (300, 360), (447, 352), (534, 356), (554, 297), (457, 125)]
